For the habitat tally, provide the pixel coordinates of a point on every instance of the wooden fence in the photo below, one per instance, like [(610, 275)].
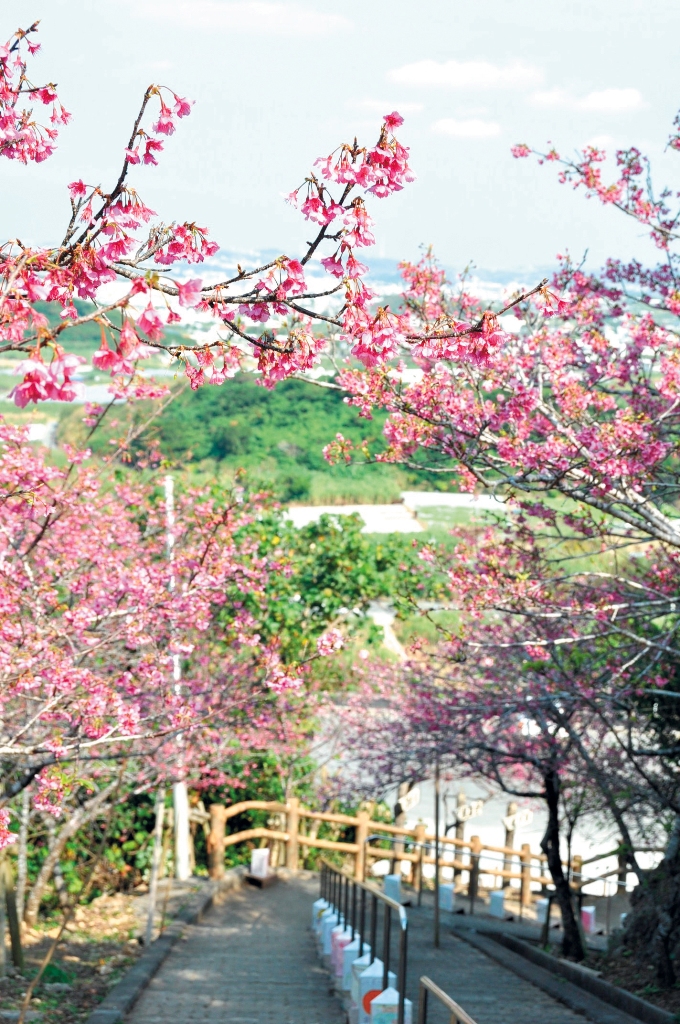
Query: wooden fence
[(530, 865)]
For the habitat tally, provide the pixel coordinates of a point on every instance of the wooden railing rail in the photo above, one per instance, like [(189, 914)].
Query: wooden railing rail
[(529, 864), (458, 1014), (255, 805), (255, 833)]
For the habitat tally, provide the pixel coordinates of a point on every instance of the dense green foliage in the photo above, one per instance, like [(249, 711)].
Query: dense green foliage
[(330, 572)]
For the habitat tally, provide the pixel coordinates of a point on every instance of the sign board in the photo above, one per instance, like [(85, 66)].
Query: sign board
[(472, 810), (410, 800), (520, 819)]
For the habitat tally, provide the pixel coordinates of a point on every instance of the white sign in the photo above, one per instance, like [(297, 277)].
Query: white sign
[(410, 800), (520, 819), (472, 810)]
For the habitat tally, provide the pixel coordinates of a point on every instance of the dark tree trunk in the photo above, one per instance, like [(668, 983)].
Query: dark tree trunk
[(653, 926), (572, 944)]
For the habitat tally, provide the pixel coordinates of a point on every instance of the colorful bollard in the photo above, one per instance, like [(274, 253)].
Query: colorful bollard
[(329, 920), (385, 1008), (259, 863), (497, 904), (350, 955), (392, 887), (370, 986), (542, 910), (318, 908), (358, 968), (335, 932), (339, 930), (341, 944), (588, 920), (446, 897), (323, 917)]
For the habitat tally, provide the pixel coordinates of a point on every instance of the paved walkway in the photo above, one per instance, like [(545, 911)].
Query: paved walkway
[(252, 960), (490, 993)]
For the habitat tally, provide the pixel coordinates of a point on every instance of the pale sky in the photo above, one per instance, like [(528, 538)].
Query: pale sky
[(277, 84)]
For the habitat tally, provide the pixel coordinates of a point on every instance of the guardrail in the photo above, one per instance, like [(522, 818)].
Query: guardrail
[(335, 887), (427, 986)]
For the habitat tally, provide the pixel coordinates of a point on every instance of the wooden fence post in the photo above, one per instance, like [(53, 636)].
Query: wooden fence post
[(416, 868), (361, 837), (215, 840), (292, 827), (473, 884), (461, 801), (577, 870), (525, 884)]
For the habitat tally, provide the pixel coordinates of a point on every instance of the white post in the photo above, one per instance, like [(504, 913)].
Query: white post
[(180, 796), (155, 863), (180, 800)]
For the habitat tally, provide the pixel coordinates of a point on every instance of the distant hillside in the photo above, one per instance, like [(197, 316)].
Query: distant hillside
[(276, 436)]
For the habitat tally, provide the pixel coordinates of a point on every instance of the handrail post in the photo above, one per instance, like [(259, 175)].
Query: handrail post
[(354, 909), (292, 828), (362, 922), (401, 982), (374, 926), (422, 1004), (346, 913), (361, 835), (387, 928), (525, 884)]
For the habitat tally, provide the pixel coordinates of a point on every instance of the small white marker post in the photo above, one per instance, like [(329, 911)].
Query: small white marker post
[(385, 1008), (180, 797), (370, 986)]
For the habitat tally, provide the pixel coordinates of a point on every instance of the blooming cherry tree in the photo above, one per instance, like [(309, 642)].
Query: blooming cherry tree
[(112, 237)]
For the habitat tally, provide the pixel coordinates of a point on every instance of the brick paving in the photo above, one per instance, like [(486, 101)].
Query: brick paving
[(252, 960)]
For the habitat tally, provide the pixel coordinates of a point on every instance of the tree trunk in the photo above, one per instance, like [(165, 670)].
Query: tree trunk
[(215, 842), (22, 851), (155, 864), (572, 945), (85, 813), (652, 928)]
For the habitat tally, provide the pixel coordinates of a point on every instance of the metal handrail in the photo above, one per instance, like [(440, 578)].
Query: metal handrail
[(458, 1014), (333, 882)]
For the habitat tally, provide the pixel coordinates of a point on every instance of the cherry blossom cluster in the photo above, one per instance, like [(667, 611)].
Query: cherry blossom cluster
[(112, 236), (95, 616), (21, 136), (558, 681)]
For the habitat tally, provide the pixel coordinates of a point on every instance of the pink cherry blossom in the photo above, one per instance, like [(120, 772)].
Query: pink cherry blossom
[(330, 642), (6, 837), (189, 292)]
